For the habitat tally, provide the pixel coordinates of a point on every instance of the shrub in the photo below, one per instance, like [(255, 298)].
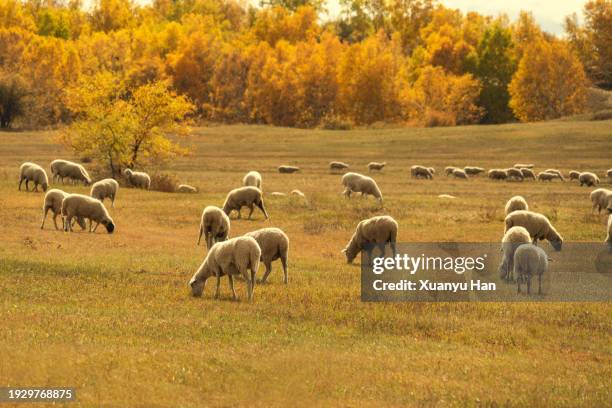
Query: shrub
[(434, 118), (335, 122), (164, 182), (602, 115)]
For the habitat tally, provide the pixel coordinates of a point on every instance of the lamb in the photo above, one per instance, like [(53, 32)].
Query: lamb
[(53, 202), (529, 260), (106, 188), (78, 205), (288, 169), (421, 171), (232, 257), (449, 170), (252, 178), (473, 171), (557, 172), (61, 169), (247, 196), (528, 174), (601, 199), (372, 166), (459, 173), (186, 188), (511, 240), (589, 179), (516, 203), (215, 225), (298, 193), (337, 165), (498, 174), (376, 231), (515, 174), (358, 183), (274, 245), (538, 225), (545, 176), (523, 166), (33, 172), (137, 179), (574, 175)]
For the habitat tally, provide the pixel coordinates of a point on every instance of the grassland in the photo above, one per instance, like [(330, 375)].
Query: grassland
[(111, 315)]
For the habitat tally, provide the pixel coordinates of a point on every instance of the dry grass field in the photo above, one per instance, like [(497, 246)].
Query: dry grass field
[(111, 315)]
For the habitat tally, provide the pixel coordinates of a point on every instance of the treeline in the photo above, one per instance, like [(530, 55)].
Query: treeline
[(409, 61)]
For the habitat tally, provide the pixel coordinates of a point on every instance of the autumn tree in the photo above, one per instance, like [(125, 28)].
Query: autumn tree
[(13, 93)]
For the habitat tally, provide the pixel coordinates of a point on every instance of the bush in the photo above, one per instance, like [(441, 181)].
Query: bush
[(435, 118), (334, 122), (602, 115), (164, 182)]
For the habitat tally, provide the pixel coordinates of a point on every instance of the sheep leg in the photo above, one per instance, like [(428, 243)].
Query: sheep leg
[(20, 181), (285, 272), (95, 228), (518, 284), (239, 214), (231, 284), (393, 248), (219, 284), (251, 208), (539, 284), (529, 285), (113, 201), (68, 223), (27, 188), (252, 284), (36, 186), (263, 209), (268, 270), (382, 249)]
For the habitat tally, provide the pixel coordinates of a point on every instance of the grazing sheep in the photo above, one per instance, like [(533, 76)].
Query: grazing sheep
[(601, 199), (372, 166), (528, 174), (337, 165), (298, 193), (61, 169), (557, 172), (545, 176), (53, 202), (498, 174), (524, 166), (78, 205), (232, 257), (473, 171), (247, 196), (106, 188), (529, 260), (609, 237), (288, 169), (446, 196), (274, 245), (538, 225), (574, 175), (186, 188), (431, 170), (376, 231), (421, 171), (278, 194), (33, 172), (449, 170), (588, 179), (516, 203), (358, 183), (215, 225), (514, 237), (515, 174), (609, 174), (459, 173), (252, 178), (137, 179)]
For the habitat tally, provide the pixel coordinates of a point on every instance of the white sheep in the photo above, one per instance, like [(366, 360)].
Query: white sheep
[(449, 170), (432, 170), (588, 179), (515, 174), (278, 194), (538, 225), (601, 199), (288, 169), (609, 174), (557, 172), (524, 166), (33, 172), (106, 188), (78, 205), (274, 245), (609, 237), (298, 193), (376, 166), (252, 178), (546, 176), (61, 169), (498, 174), (417, 171), (529, 260), (358, 183), (574, 175), (137, 179), (528, 173), (472, 170), (446, 196), (459, 173), (516, 203), (232, 257), (338, 165), (53, 202), (248, 196), (376, 231), (514, 237), (186, 188), (215, 225)]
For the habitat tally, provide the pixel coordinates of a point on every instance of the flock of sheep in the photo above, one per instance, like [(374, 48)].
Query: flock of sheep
[(521, 260)]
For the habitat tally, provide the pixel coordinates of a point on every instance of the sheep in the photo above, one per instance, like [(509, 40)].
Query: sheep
[(106, 188), (78, 205), (446, 196), (449, 170), (473, 171), (278, 194), (609, 237), (247, 196), (53, 202), (298, 193), (529, 260), (609, 174), (498, 174), (421, 171), (274, 245), (252, 178), (589, 179), (337, 165), (232, 257), (137, 179), (528, 174), (33, 172), (372, 166), (358, 183), (459, 173), (574, 175), (375, 231), (215, 225), (557, 172), (186, 188), (516, 203), (523, 166), (514, 237), (515, 174), (545, 176), (61, 169), (288, 169), (601, 199), (431, 170), (538, 225)]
